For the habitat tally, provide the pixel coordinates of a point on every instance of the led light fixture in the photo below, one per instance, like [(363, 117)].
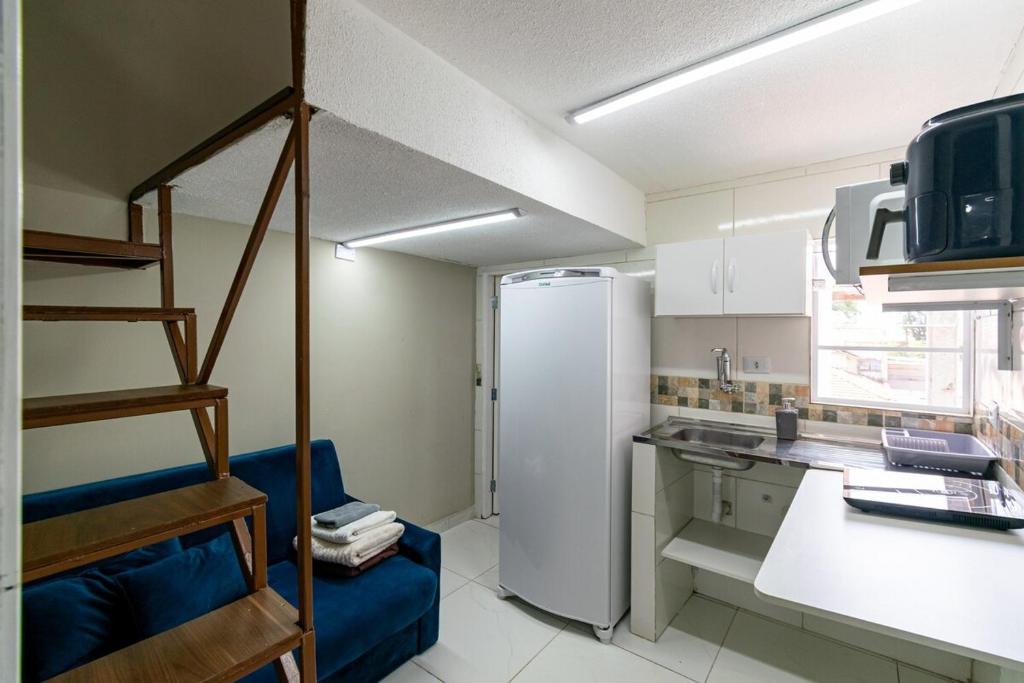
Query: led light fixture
[(434, 228), (813, 29)]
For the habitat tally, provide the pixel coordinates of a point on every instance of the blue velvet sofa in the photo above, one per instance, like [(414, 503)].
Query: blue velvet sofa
[(366, 626)]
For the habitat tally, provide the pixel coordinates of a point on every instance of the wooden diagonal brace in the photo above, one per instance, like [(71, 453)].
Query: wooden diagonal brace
[(252, 247)]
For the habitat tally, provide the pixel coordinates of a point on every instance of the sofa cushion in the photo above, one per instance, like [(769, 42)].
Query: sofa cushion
[(273, 472), (139, 558), (177, 589), (352, 615), (69, 622), (112, 566)]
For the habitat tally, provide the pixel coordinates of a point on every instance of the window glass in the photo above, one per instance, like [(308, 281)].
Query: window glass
[(908, 360)]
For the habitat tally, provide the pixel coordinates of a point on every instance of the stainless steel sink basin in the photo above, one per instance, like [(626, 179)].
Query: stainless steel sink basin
[(719, 438), (712, 447)]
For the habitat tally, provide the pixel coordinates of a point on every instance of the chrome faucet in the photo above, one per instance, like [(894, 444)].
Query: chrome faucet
[(725, 382)]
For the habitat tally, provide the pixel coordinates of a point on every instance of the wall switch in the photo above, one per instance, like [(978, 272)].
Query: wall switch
[(757, 364)]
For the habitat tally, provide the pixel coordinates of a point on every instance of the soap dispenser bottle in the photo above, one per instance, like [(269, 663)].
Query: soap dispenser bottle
[(786, 420)]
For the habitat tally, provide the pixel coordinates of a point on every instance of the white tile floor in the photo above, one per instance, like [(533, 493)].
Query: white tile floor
[(486, 639)]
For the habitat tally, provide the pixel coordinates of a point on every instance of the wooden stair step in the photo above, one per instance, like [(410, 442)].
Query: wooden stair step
[(60, 543), (222, 645), (46, 411), (102, 313), (89, 251)]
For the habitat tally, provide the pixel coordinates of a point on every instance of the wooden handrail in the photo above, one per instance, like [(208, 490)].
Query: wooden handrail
[(279, 104)]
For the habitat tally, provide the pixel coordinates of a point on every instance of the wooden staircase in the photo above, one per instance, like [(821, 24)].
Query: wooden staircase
[(60, 543), (89, 251), (262, 627)]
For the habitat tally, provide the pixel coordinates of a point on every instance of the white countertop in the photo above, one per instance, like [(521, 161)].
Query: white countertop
[(956, 588)]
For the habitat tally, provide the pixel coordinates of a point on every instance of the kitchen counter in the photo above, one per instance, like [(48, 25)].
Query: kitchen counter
[(806, 452), (952, 587)]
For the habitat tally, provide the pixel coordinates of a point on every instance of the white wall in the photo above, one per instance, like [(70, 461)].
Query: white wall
[(116, 89), (367, 72), (392, 361)]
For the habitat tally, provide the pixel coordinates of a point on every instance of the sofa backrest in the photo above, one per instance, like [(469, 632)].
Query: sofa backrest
[(272, 471)]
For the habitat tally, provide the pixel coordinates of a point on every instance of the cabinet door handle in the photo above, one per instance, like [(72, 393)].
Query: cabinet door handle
[(732, 275), (714, 277)]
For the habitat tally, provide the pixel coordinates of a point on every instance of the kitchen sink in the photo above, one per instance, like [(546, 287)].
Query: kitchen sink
[(719, 438), (712, 447)]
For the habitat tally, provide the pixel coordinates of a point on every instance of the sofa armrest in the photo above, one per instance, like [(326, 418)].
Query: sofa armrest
[(418, 544), (421, 546)]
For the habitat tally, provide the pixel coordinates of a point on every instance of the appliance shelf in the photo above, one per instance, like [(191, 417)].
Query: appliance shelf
[(720, 549), (947, 281)]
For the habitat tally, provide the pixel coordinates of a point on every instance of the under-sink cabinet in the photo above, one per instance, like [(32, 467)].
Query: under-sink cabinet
[(678, 551), (763, 274), (676, 547)]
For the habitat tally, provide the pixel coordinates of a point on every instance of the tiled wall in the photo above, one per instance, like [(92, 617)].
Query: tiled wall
[(1008, 441), (1004, 389), (762, 398)]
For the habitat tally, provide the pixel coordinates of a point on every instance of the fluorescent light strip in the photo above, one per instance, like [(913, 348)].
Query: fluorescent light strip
[(434, 228), (824, 25)]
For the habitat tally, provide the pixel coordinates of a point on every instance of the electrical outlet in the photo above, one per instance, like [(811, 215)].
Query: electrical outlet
[(757, 365)]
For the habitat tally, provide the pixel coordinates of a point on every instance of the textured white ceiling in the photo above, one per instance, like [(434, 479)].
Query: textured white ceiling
[(362, 184), (865, 89)]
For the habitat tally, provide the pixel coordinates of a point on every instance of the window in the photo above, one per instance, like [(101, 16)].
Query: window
[(860, 356)]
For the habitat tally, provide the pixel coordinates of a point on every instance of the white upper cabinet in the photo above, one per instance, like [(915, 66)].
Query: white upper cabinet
[(689, 278), (764, 274), (767, 274)]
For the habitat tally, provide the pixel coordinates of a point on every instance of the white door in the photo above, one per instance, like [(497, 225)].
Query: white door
[(553, 445), (688, 278), (767, 274)]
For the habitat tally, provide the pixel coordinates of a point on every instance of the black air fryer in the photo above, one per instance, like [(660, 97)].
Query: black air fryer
[(965, 186)]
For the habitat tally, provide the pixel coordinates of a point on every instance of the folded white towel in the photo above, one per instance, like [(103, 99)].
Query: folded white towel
[(353, 530), (359, 551)]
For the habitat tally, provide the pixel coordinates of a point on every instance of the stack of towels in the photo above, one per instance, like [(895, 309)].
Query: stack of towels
[(355, 537)]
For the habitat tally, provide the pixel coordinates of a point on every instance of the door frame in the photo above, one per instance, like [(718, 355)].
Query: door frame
[(487, 350), (10, 342)]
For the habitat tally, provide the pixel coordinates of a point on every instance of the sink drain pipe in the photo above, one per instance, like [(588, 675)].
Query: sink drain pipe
[(716, 494)]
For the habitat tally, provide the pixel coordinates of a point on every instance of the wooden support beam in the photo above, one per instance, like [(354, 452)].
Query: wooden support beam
[(298, 40), (300, 128), (166, 247), (259, 549), (220, 417), (300, 125), (208, 440), (278, 104), (252, 248), (308, 656), (135, 223), (191, 349)]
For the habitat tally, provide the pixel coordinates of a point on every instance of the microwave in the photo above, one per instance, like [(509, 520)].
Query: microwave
[(851, 222)]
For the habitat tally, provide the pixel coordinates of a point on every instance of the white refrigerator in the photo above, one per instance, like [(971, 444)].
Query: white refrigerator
[(573, 389)]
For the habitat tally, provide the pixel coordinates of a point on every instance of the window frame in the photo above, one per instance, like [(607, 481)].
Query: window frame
[(967, 351)]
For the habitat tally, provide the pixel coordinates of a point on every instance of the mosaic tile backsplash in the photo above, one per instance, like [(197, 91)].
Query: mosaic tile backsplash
[(762, 398), (1007, 441)]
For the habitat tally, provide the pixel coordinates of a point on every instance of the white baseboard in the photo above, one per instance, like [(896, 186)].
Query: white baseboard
[(453, 519)]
